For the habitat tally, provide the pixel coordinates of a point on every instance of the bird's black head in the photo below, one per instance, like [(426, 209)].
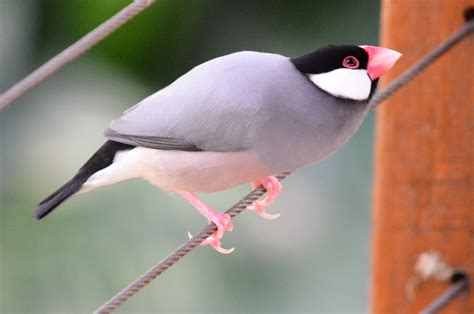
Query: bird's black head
[(330, 58), (350, 72)]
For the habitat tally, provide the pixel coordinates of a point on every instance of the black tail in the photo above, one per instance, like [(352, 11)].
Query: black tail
[(101, 159)]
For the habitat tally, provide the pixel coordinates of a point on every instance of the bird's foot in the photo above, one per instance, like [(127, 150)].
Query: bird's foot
[(221, 220), (273, 187), (216, 244)]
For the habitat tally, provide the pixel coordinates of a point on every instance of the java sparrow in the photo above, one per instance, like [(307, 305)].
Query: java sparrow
[(243, 117)]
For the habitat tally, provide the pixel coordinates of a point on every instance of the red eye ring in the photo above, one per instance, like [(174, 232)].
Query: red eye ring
[(350, 62)]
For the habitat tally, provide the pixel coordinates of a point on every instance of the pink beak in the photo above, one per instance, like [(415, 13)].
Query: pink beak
[(380, 60)]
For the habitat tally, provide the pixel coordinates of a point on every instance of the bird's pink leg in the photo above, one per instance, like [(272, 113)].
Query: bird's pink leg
[(273, 187), (222, 221)]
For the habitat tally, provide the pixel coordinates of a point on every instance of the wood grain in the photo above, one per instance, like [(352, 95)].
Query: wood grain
[(424, 182)]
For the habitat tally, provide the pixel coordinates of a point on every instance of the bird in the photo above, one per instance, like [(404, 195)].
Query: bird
[(240, 118)]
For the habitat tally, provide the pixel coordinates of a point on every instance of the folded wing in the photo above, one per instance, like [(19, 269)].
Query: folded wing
[(214, 107)]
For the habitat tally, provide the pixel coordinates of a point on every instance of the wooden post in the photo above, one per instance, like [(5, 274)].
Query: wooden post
[(424, 183)]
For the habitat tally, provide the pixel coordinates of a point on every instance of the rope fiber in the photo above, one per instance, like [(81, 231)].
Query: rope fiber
[(122, 296)]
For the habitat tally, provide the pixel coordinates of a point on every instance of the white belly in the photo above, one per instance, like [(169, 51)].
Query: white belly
[(200, 171), (179, 170)]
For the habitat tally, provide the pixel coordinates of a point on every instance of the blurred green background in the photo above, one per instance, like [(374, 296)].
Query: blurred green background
[(314, 258)]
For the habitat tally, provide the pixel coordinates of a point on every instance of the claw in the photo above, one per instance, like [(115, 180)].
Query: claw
[(269, 216), (273, 187), (223, 251), (216, 244), (260, 210)]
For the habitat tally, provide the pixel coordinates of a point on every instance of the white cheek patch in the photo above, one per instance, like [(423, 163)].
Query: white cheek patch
[(345, 83)]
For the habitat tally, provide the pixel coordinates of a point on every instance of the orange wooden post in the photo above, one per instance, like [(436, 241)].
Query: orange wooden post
[(424, 183)]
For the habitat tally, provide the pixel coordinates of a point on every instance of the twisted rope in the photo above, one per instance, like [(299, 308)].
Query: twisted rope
[(72, 52), (175, 256)]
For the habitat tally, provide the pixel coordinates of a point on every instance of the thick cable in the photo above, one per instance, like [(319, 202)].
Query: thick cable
[(72, 52)]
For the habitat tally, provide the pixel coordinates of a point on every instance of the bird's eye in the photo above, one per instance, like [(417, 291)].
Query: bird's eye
[(350, 62)]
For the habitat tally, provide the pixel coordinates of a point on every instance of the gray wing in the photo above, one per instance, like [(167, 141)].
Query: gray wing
[(157, 142), (214, 107)]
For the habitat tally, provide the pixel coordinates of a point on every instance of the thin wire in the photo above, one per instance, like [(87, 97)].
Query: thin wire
[(414, 70), (122, 296), (446, 297), (72, 52)]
